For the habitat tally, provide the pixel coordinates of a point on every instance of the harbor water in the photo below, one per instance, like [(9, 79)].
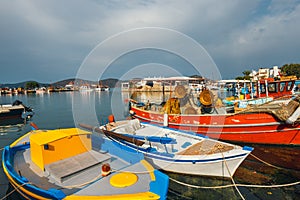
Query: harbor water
[(266, 175)]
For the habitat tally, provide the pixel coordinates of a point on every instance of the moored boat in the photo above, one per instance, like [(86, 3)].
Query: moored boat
[(75, 164), (269, 123), (14, 111), (264, 90), (178, 151)]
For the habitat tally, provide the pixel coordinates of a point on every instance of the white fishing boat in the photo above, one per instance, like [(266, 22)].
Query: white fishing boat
[(179, 151), (85, 88)]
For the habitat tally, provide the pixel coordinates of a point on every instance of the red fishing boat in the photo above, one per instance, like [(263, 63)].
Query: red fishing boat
[(269, 123)]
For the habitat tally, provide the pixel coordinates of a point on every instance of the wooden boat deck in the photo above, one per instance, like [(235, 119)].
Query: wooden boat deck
[(46, 180), (201, 147), (206, 147), (67, 168), (31, 172), (73, 176), (105, 188)]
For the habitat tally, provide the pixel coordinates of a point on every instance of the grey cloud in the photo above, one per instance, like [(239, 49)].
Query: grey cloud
[(56, 35)]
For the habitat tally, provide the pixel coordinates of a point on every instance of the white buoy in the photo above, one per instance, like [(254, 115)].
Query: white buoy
[(166, 119), (294, 116)]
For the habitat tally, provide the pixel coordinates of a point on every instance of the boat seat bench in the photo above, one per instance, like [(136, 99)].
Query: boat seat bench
[(64, 169)]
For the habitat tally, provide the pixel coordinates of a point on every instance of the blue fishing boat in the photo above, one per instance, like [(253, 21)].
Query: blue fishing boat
[(76, 164)]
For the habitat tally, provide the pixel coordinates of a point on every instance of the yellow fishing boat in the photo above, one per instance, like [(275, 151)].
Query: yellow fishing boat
[(76, 164)]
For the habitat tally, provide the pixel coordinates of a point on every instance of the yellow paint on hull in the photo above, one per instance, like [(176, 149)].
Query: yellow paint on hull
[(20, 138), (140, 196), (149, 168), (136, 196), (21, 188)]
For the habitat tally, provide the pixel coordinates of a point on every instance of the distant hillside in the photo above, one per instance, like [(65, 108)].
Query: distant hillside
[(21, 85), (63, 83), (111, 82), (106, 82)]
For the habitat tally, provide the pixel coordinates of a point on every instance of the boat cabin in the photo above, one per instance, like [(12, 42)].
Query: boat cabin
[(51, 146), (271, 88)]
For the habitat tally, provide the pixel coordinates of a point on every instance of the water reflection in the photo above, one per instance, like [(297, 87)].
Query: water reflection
[(11, 125), (56, 111)]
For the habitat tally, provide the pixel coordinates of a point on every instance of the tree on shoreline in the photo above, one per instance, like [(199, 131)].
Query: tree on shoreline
[(291, 70), (286, 70), (245, 77), (31, 85)]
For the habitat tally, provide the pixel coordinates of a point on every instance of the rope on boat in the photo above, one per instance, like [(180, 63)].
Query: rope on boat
[(265, 162), (237, 189), (236, 185), (142, 172), (100, 175), (83, 184), (232, 185), (16, 189)]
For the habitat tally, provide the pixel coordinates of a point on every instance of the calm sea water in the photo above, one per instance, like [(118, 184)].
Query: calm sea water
[(63, 110)]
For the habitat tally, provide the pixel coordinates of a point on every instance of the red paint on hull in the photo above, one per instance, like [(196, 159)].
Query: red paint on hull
[(261, 128)]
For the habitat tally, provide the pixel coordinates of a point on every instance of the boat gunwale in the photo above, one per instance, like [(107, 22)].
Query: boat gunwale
[(22, 183), (174, 156), (173, 159), (30, 190)]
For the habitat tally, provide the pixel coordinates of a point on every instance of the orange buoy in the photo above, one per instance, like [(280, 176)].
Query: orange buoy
[(111, 118)]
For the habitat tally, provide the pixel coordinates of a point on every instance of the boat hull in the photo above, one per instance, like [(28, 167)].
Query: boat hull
[(221, 164), (29, 190), (219, 167), (15, 113), (261, 128), (24, 187)]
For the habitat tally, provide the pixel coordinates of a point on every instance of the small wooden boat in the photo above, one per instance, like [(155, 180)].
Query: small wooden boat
[(75, 164), (179, 151), (14, 111)]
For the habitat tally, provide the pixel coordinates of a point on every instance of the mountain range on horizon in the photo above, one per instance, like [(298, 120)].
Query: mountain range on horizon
[(110, 82)]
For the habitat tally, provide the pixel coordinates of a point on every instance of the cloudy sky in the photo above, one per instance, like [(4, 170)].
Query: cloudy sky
[(48, 41)]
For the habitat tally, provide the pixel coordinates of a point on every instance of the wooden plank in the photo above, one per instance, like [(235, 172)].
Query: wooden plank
[(113, 134)]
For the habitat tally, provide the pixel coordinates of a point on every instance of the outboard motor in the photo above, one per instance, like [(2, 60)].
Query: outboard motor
[(17, 102), (28, 111)]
